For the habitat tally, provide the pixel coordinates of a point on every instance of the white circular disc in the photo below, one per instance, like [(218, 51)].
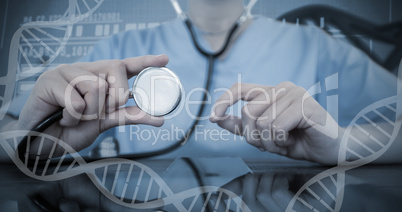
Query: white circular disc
[(157, 91)]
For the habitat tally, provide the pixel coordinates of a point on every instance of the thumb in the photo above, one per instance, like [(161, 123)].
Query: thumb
[(130, 115), (136, 64), (232, 123)]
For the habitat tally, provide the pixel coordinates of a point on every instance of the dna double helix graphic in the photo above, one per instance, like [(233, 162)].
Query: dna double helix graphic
[(363, 141), (125, 182), (43, 32)]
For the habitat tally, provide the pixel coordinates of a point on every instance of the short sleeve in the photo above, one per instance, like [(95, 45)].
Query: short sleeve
[(360, 80)]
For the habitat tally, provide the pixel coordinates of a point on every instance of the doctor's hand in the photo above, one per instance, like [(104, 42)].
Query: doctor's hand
[(282, 119), (91, 95)]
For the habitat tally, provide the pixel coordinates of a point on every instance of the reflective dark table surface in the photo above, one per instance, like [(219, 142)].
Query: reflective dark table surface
[(199, 184)]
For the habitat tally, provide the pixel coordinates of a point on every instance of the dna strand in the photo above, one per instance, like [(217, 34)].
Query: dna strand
[(43, 33), (83, 8), (125, 182), (358, 147)]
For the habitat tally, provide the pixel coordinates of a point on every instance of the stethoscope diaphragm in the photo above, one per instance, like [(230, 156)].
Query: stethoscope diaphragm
[(157, 91)]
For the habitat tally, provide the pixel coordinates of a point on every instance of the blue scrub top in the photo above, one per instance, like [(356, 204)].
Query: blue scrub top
[(267, 53)]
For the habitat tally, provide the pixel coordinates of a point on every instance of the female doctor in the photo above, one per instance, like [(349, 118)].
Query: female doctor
[(257, 89)]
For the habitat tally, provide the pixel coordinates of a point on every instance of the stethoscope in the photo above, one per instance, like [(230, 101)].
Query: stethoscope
[(142, 83)]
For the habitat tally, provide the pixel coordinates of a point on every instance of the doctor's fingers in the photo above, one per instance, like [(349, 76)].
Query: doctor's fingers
[(115, 74), (265, 106), (77, 97), (129, 115), (290, 121), (119, 71), (269, 125), (132, 66), (234, 125), (128, 67), (92, 88), (249, 116), (135, 65), (248, 92), (239, 91), (279, 119)]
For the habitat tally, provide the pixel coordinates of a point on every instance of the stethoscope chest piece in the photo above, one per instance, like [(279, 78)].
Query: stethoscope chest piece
[(157, 91)]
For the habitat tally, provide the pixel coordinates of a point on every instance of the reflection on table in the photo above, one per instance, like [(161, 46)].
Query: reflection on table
[(196, 184)]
